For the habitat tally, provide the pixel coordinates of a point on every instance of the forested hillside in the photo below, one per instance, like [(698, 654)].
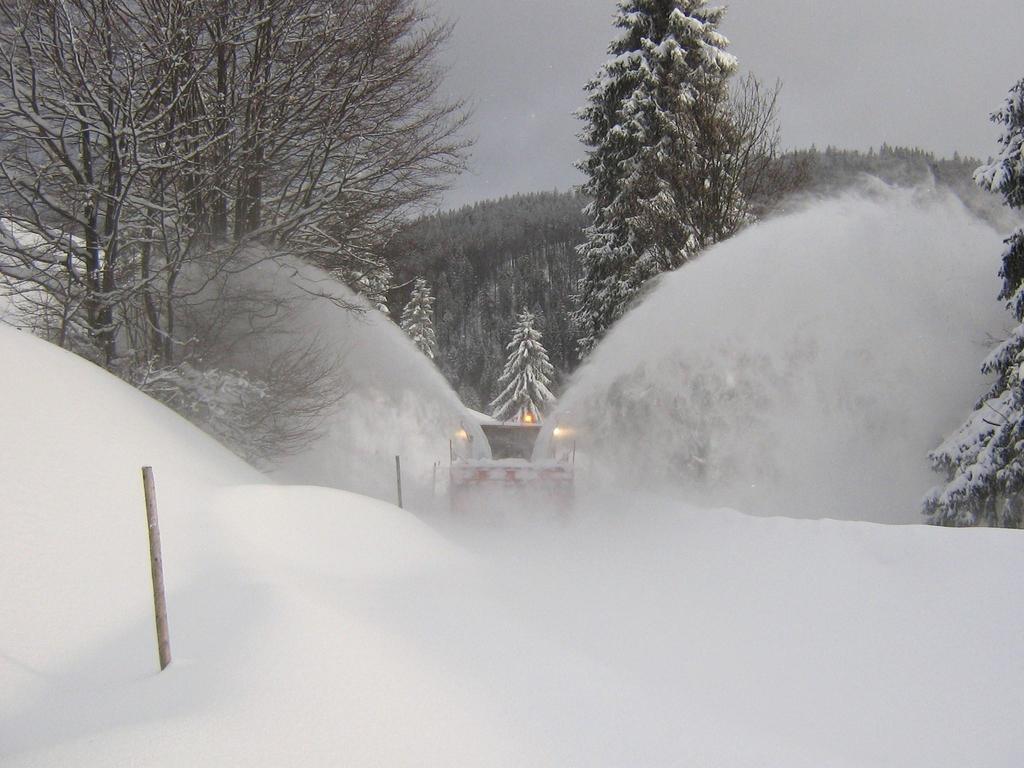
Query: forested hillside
[(485, 263), (488, 261)]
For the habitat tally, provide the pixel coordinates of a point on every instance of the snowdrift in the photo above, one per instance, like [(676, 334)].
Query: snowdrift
[(316, 627), (244, 563), (806, 366), (74, 552)]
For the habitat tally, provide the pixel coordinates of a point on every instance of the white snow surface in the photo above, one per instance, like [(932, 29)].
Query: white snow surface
[(316, 627), (805, 367)]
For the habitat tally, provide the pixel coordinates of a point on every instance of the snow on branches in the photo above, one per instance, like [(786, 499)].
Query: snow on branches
[(658, 111), (418, 319), (146, 141), (984, 459), (371, 282), (527, 375)]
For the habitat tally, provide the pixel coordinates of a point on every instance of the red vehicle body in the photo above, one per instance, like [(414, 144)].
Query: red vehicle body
[(508, 466)]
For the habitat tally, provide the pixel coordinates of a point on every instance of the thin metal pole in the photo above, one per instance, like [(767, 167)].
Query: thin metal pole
[(398, 477), (163, 638)]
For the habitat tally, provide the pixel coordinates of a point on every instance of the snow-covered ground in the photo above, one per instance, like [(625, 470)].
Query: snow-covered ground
[(317, 627)]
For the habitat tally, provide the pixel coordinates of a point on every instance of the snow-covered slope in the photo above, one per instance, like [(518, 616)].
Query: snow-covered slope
[(243, 562), (315, 627), (74, 547)]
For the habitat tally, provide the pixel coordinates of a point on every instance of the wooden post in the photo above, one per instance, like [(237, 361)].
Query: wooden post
[(163, 639), (398, 477)]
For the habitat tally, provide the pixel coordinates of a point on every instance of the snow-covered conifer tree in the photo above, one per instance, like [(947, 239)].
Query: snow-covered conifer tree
[(657, 110), (984, 459), (526, 376), (372, 283), (418, 318)]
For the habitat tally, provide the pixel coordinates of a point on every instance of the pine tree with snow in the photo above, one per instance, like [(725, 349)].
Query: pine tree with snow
[(527, 375), (418, 318), (984, 460), (372, 283), (656, 113)]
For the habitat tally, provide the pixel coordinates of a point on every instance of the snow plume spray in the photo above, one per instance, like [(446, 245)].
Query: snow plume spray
[(391, 400), (805, 367)]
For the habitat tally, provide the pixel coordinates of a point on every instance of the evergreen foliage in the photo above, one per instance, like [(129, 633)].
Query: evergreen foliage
[(526, 376), (487, 261), (655, 115), (372, 282), (418, 319), (983, 460)]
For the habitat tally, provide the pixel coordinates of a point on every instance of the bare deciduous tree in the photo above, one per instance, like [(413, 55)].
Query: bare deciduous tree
[(147, 147)]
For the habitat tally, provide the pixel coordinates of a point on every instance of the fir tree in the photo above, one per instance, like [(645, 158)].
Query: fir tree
[(984, 459), (526, 376), (372, 283), (656, 113), (418, 318)]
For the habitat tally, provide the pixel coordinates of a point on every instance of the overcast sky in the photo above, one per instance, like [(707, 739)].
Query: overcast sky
[(854, 74)]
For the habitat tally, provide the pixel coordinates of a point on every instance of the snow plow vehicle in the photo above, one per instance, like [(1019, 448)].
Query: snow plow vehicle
[(521, 460)]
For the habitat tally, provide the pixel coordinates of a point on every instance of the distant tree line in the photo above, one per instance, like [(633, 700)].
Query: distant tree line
[(485, 263)]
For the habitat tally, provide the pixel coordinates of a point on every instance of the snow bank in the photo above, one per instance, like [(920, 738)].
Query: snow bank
[(804, 367), (252, 574), (76, 606), (74, 528)]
